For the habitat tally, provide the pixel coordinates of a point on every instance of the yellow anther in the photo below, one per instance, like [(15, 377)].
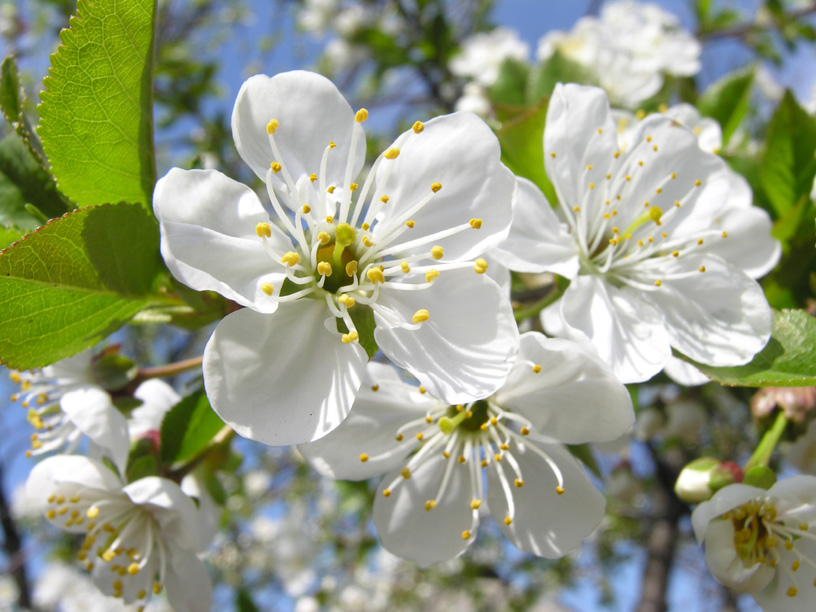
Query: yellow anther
[(346, 300), (795, 565), (361, 115), (117, 584), (421, 315), (658, 191), (608, 176), (331, 188), (725, 234), (475, 504), (276, 167), (14, 375), (410, 224), (640, 162), (268, 288), (82, 555), (461, 459), (313, 177), (508, 521), (700, 241), (792, 591), (351, 268), (789, 544), (51, 498), (384, 199), (525, 431), (429, 419), (375, 275), (484, 426), (559, 489), (640, 114), (607, 216), (157, 587), (365, 227), (701, 269), (324, 268), (420, 436), (290, 259), (418, 127), (367, 242), (431, 274), (465, 535), (108, 555), (617, 154), (329, 219), (133, 569), (504, 447), (592, 185), (363, 457), (536, 368), (589, 167), (376, 388), (36, 445), (353, 187), (323, 238), (391, 153), (405, 473), (332, 144), (697, 183), (518, 482), (475, 223), (576, 208), (306, 209), (480, 266), (349, 337), (673, 175), (648, 139), (387, 493), (615, 230), (658, 283), (497, 457), (435, 187), (446, 454), (263, 230), (63, 510), (437, 252), (553, 155), (654, 148), (430, 505), (423, 390), (628, 178), (142, 594), (51, 514), (676, 253), (272, 126), (494, 421)]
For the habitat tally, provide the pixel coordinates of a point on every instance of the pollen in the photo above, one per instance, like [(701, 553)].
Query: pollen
[(349, 337), (313, 177), (536, 368), (329, 219), (331, 188), (306, 209), (700, 241), (525, 431), (410, 224), (658, 283), (697, 183), (363, 457), (420, 436), (465, 535), (384, 199), (576, 208), (430, 505), (268, 288), (324, 268), (480, 267), (673, 175), (552, 155), (93, 512), (725, 234), (367, 242), (361, 115), (431, 274), (387, 493), (475, 223), (792, 591), (423, 390), (351, 267), (475, 504), (508, 521), (418, 127), (353, 187), (15, 377), (133, 569), (332, 144), (435, 187), (263, 230), (437, 252), (421, 316), (592, 185), (518, 482), (272, 126), (701, 269), (290, 259), (405, 473), (323, 238), (391, 153), (276, 167), (559, 489), (375, 275)]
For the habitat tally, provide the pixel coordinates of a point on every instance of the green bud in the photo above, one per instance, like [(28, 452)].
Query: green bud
[(760, 476)]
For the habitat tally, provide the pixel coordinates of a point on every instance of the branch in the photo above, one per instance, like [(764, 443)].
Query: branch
[(13, 548), (738, 31)]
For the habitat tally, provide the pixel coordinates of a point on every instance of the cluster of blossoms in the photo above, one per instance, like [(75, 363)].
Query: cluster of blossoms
[(628, 49)]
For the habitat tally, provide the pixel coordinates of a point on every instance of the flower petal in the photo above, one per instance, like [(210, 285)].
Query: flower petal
[(461, 153), (371, 428), (311, 112), (426, 537), (574, 398), (719, 317), (543, 522), (188, 585), (208, 238), (92, 411), (282, 379), (157, 398), (724, 500), (538, 241), (684, 373), (627, 332), (467, 346), (726, 566)]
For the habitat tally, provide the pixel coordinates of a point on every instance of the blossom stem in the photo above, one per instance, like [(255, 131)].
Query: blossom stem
[(766, 446), (536, 307), (171, 369), (221, 439)]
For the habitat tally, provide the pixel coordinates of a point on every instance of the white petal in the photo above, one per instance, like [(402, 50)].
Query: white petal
[(208, 238), (310, 112), (407, 530), (157, 398), (684, 373), (371, 428), (209, 511), (538, 241), (708, 131), (187, 583), (498, 272), (724, 500), (719, 317), (74, 469), (627, 332), (726, 566), (574, 116), (461, 153), (93, 413), (545, 523), (575, 398), (283, 378), (466, 348), (176, 514), (796, 493), (774, 597)]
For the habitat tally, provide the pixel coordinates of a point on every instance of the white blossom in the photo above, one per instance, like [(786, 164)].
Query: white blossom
[(396, 251), (483, 54)]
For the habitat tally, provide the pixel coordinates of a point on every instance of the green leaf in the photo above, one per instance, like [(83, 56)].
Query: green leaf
[(363, 318), (788, 360), (556, 69), (508, 89), (142, 467), (728, 100), (243, 601), (74, 281), (23, 181), (522, 144), (188, 428), (583, 452), (789, 166), (12, 105), (96, 112), (9, 233)]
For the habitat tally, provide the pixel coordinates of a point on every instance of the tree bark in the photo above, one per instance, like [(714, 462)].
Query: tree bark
[(13, 547)]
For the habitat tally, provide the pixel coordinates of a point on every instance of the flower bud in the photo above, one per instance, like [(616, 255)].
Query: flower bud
[(703, 477)]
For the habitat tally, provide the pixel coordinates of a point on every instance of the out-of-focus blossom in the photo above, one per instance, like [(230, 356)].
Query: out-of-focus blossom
[(483, 54), (474, 100), (643, 278), (317, 16), (428, 505), (398, 250), (795, 402)]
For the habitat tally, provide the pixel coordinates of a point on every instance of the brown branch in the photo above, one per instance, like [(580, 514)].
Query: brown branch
[(13, 547), (738, 31)]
